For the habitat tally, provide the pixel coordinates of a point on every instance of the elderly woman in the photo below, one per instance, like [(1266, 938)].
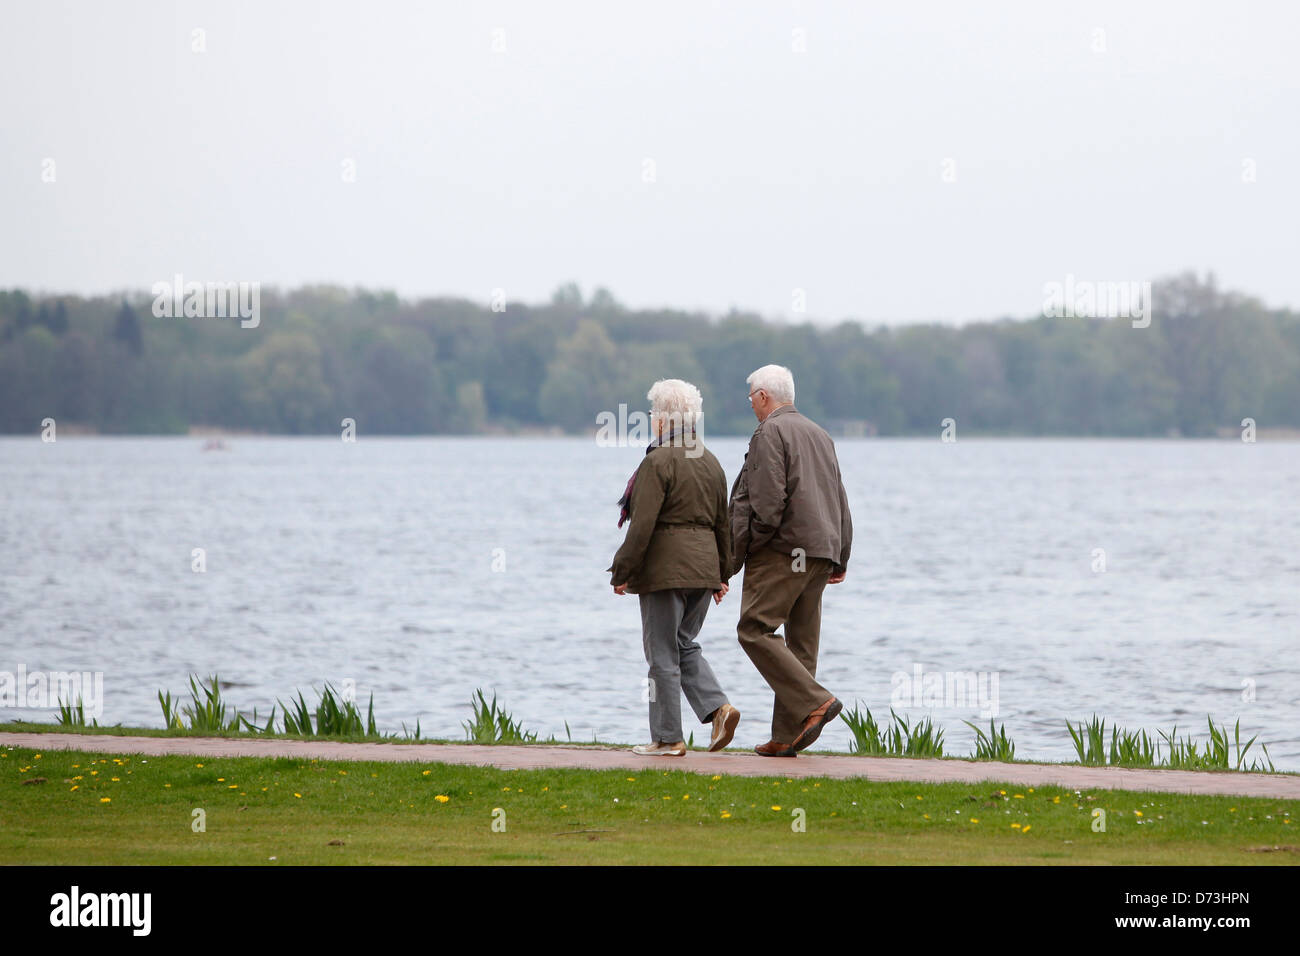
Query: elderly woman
[(677, 554)]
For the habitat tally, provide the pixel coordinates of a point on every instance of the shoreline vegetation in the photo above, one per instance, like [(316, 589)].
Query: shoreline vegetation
[(1206, 362), (207, 713)]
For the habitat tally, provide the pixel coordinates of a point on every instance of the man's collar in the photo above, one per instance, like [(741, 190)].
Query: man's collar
[(781, 408)]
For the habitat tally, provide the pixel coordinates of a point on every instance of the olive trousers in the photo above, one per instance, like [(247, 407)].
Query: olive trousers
[(780, 589)]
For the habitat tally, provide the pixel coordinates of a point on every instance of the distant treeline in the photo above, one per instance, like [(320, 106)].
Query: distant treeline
[(321, 354)]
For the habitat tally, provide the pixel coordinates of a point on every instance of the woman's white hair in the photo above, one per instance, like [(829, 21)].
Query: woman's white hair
[(676, 402), (776, 380)]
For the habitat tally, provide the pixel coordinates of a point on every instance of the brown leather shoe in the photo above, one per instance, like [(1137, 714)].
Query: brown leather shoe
[(774, 749), (819, 718), (725, 719)]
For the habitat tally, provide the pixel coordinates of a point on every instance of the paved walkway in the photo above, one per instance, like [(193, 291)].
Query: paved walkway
[(539, 757)]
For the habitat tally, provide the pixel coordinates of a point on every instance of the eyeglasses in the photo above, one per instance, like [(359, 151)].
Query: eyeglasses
[(753, 393)]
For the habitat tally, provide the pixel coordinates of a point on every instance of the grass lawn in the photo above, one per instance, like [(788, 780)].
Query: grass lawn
[(128, 809)]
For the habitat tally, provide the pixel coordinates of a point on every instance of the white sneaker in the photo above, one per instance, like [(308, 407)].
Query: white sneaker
[(658, 749)]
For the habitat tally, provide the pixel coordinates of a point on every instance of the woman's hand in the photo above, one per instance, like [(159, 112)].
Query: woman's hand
[(620, 588), (719, 594)]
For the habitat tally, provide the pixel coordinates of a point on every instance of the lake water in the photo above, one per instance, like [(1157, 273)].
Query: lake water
[(374, 562)]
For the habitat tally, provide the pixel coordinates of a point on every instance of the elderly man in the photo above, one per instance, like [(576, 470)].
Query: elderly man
[(791, 532)]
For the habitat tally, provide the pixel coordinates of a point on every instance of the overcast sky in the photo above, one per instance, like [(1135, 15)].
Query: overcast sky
[(917, 161)]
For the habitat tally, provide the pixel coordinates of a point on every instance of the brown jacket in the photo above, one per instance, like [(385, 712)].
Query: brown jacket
[(789, 493), (678, 534)]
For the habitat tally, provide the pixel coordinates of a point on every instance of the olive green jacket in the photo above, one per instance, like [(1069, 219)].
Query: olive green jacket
[(789, 493), (678, 534)]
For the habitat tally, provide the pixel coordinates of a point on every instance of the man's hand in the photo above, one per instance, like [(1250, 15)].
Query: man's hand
[(719, 594), (836, 578), (620, 588)]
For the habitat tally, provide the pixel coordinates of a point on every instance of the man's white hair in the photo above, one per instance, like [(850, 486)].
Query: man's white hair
[(676, 402), (776, 380)]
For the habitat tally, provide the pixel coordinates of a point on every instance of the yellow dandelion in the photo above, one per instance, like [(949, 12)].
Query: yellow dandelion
[(717, 776), (1026, 829), (926, 815), (726, 815), (427, 772), (686, 796), (233, 786), (221, 780), (105, 799), (974, 820), (631, 779), (1019, 796), (776, 808), (199, 765), (1137, 813), (442, 798), (116, 779), (298, 795), (74, 787), (1015, 826)]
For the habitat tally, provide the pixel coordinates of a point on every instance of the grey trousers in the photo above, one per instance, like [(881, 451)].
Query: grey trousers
[(670, 620)]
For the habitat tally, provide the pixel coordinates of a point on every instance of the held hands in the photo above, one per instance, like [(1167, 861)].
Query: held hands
[(836, 578), (718, 595)]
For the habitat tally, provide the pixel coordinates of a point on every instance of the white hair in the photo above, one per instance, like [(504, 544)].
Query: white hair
[(776, 380), (677, 402)]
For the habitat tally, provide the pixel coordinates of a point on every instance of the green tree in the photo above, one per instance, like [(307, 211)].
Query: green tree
[(126, 329)]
